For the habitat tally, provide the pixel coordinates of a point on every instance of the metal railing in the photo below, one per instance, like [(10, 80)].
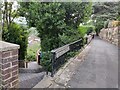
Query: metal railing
[(58, 55)]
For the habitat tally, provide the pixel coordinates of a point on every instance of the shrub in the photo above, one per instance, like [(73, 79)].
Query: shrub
[(46, 60), (32, 51), (69, 36), (71, 54), (31, 57), (17, 34), (85, 29), (106, 24)]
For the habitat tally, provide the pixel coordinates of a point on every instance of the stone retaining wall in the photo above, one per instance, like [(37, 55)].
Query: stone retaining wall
[(110, 34), (8, 65)]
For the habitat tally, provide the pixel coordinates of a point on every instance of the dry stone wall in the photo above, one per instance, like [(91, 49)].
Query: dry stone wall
[(111, 35)]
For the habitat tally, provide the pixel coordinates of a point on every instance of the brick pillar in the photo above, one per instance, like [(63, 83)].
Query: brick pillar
[(8, 65)]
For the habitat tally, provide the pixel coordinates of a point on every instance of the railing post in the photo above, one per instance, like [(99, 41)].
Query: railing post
[(81, 42), (52, 59)]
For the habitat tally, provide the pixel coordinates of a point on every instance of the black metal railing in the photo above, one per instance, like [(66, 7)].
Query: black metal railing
[(58, 55)]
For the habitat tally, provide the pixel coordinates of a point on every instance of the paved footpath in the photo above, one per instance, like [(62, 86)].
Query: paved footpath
[(95, 67), (100, 68)]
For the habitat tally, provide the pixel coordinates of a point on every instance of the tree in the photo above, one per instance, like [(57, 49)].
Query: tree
[(104, 11), (118, 17), (49, 24), (77, 13), (53, 19), (18, 34), (11, 32), (0, 22)]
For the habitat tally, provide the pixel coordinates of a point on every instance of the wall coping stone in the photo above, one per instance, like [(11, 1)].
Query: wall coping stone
[(5, 46)]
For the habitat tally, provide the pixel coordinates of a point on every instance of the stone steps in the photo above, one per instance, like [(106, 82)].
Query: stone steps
[(27, 70), (29, 77), (29, 80), (33, 67)]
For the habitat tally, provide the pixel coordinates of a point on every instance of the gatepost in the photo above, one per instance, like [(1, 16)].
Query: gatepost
[(8, 65)]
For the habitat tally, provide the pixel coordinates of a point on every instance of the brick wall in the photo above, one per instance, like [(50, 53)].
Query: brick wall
[(9, 65)]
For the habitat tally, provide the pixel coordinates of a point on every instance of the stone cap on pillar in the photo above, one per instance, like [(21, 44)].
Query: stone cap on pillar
[(5, 46)]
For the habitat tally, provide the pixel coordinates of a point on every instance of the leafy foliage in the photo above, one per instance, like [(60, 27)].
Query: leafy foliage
[(106, 24), (56, 23), (31, 51), (18, 35), (104, 11), (99, 24), (46, 60), (118, 17), (56, 20), (12, 32), (69, 36), (85, 29), (77, 13)]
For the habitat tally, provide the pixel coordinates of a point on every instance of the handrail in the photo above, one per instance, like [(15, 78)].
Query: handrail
[(61, 51)]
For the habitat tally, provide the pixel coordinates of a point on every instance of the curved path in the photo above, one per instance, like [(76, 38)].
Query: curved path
[(99, 69), (29, 80), (29, 77)]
